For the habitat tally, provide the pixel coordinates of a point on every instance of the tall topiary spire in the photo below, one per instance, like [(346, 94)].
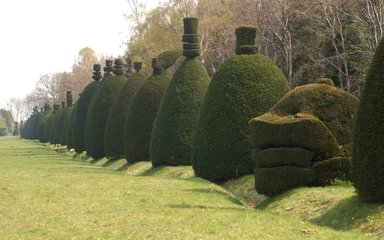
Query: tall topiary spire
[(100, 108), (175, 123), (80, 112), (244, 87), (118, 67), (144, 106), (368, 150), (69, 99)]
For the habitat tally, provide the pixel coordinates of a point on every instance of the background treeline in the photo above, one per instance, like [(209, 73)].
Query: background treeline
[(307, 39)]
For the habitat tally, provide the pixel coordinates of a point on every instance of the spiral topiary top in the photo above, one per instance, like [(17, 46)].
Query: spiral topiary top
[(118, 67), (191, 40), (246, 40)]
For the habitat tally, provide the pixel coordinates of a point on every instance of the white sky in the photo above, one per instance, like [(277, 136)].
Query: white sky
[(45, 36)]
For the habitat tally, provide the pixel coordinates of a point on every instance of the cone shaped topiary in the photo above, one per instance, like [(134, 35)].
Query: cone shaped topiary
[(175, 123), (100, 107), (80, 112), (49, 127), (57, 127), (368, 150), (245, 86), (143, 109), (65, 121), (114, 134)]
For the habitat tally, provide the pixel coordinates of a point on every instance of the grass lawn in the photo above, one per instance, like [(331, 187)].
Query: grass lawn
[(48, 195)]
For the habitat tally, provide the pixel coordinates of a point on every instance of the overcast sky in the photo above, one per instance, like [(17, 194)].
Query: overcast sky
[(45, 36)]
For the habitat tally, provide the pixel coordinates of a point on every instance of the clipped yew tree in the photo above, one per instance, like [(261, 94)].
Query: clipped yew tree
[(50, 124), (80, 112), (144, 106), (304, 140), (100, 107), (175, 123), (43, 119), (57, 126), (66, 117), (368, 150), (245, 86), (114, 133)]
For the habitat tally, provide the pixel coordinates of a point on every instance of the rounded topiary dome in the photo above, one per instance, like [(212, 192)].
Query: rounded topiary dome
[(368, 150), (143, 109), (114, 134), (245, 86), (99, 110), (175, 123), (80, 112)]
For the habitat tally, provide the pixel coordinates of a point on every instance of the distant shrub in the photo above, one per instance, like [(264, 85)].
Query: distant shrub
[(175, 123), (245, 86), (368, 150), (99, 109), (114, 133), (143, 110), (80, 112)]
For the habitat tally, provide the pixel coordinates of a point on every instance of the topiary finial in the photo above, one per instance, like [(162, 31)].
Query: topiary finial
[(108, 66), (118, 67), (157, 69), (96, 72), (56, 107), (191, 40), (246, 40), (137, 66), (325, 81), (69, 98)]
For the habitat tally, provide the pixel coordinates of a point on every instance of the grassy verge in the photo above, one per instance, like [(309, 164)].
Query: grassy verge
[(45, 195)]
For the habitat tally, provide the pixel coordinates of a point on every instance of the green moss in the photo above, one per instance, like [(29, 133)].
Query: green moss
[(244, 87), (283, 156), (190, 25), (98, 112), (272, 181), (368, 150), (114, 134), (174, 127), (143, 110)]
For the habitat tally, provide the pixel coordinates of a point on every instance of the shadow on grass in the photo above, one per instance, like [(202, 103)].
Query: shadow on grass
[(110, 162), (217, 192), (190, 206), (349, 213), (270, 200)]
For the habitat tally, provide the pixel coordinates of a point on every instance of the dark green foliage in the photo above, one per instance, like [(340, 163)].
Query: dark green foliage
[(191, 53), (316, 118), (50, 125), (368, 150), (245, 86), (334, 168), (175, 124), (42, 127), (143, 110), (65, 122), (80, 112), (168, 58), (191, 25), (137, 66), (114, 133), (191, 38), (246, 40), (191, 45), (272, 181), (283, 156), (98, 112), (69, 140)]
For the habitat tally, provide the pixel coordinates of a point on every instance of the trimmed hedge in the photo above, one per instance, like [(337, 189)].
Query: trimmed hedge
[(99, 109), (57, 126), (317, 118), (245, 86), (49, 127), (65, 121), (114, 133), (175, 124), (368, 150), (80, 112), (143, 110)]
